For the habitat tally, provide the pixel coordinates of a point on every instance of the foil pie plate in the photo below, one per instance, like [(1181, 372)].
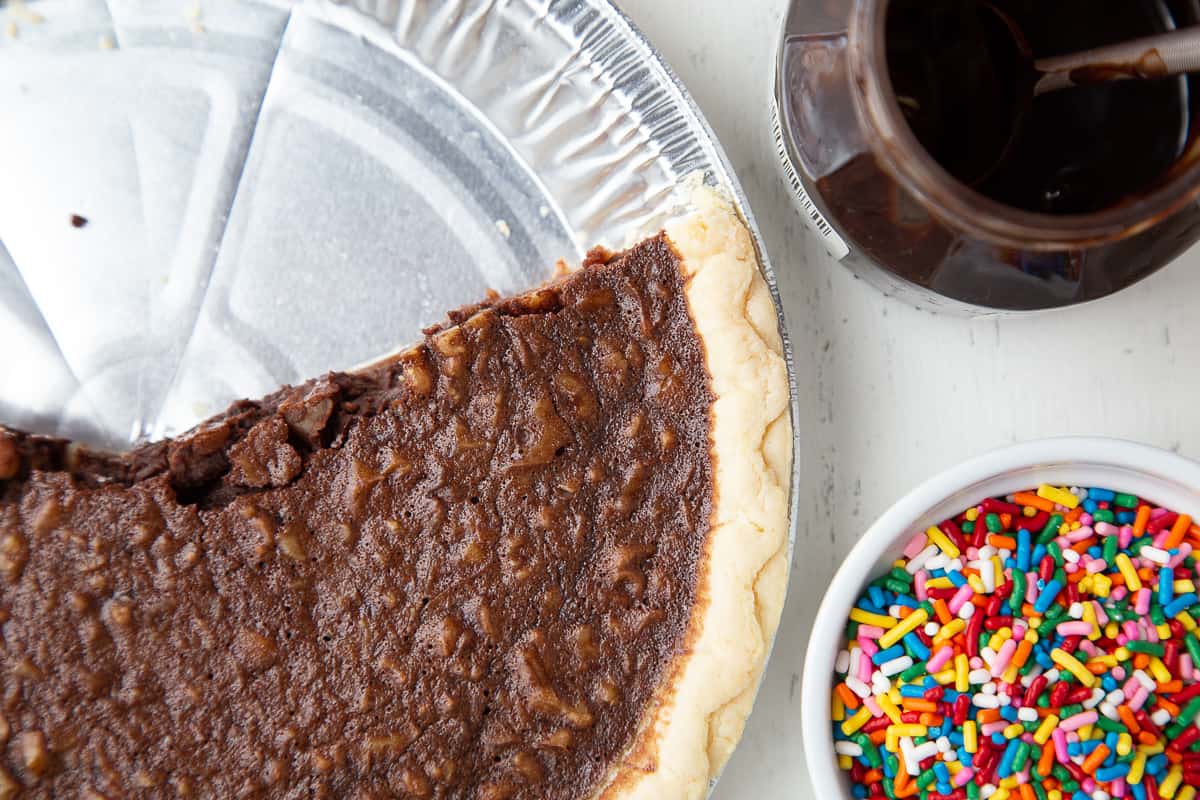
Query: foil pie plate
[(202, 202)]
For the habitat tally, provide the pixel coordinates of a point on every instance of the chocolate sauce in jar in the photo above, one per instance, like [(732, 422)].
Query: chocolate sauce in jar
[(967, 93)]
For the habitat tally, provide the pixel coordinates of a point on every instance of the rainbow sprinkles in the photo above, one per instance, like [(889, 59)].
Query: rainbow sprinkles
[(1042, 646)]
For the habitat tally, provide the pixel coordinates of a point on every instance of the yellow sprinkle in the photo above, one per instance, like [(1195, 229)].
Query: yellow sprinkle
[(838, 712), (962, 667), (955, 767), (998, 567), (1054, 794), (867, 618), (1170, 784), (1122, 654), (1072, 665), (945, 677), (862, 717), (889, 708), (1064, 529), (949, 631), (894, 695), (970, 737), (1108, 661), (845, 763), (1186, 793), (1111, 630), (1076, 526), (1159, 670), (1011, 675), (1009, 783), (911, 729), (1056, 495), (1029, 511), (1184, 586), (940, 583), (1124, 744), (1101, 585), (1188, 622), (972, 514), (1042, 735), (1152, 749), (1136, 769), (1164, 632), (1085, 732), (1089, 616), (906, 626), (1132, 582), (999, 638), (943, 542), (1013, 731), (976, 584)]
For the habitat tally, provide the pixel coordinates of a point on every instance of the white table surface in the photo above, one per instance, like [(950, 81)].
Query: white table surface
[(890, 395)]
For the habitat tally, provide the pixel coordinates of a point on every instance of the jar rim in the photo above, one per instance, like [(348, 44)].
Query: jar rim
[(910, 164)]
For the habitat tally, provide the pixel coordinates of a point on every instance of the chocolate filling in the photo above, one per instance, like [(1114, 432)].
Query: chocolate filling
[(462, 573)]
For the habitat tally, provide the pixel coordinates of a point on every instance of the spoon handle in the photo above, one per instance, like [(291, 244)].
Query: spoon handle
[(1159, 56)]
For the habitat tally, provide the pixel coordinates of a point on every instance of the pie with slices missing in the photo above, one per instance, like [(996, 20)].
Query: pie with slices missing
[(542, 554)]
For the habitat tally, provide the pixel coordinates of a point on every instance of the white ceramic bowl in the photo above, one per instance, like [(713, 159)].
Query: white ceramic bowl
[(1162, 477)]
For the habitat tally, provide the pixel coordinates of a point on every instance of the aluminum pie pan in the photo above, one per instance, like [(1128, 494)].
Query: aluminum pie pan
[(168, 167)]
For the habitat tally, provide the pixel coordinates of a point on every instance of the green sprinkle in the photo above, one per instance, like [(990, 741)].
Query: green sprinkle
[(992, 521), (1104, 515), (1018, 593), (1124, 501), (1050, 532), (1149, 648)]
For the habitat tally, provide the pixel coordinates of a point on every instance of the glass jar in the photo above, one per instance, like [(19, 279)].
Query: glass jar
[(885, 208)]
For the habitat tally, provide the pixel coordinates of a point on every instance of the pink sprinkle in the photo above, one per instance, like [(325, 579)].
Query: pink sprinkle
[(1096, 565), (1158, 512), (939, 659), (1101, 614), (1002, 659), (919, 586), (869, 647), (1085, 519), (1078, 628), (1070, 568), (869, 632), (1106, 529), (960, 599), (873, 706), (1151, 633), (1118, 594), (1078, 721), (1131, 686), (1059, 737), (1161, 539), (1118, 673), (915, 545), (1142, 604), (964, 776), (1079, 534), (1129, 627), (1018, 629), (864, 670), (988, 728), (1089, 648), (1031, 593), (1185, 550), (976, 663), (1118, 788), (1187, 669), (1139, 698), (1125, 538), (1087, 785)]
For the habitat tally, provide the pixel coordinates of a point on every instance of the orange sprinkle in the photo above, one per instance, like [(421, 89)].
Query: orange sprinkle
[(849, 698), (1074, 514), (1095, 759), (1178, 531), (1031, 499), (1023, 650), (943, 611), (932, 720), (1046, 763), (918, 704), (1171, 687), (1171, 708), (1002, 542), (872, 775), (1027, 792), (1146, 737), (987, 715), (878, 737), (1129, 719), (1096, 668), (1077, 576), (903, 786), (1174, 757), (1141, 521), (1141, 661)]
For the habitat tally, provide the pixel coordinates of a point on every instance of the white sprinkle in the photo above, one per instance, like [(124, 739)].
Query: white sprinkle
[(1095, 700), (880, 683), (896, 665), (856, 657), (984, 701), (912, 764), (978, 677), (1070, 556), (842, 665), (967, 611), (1108, 710), (937, 562), (852, 749), (1154, 554), (1116, 697), (943, 744), (858, 687), (1027, 714), (987, 790), (989, 688), (950, 755), (1161, 717), (988, 655), (1075, 611), (502, 226), (986, 552), (1005, 700), (1145, 680), (955, 565), (925, 750), (917, 563), (931, 628)]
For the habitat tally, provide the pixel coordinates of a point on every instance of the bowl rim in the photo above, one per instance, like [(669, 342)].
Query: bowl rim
[(824, 641)]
